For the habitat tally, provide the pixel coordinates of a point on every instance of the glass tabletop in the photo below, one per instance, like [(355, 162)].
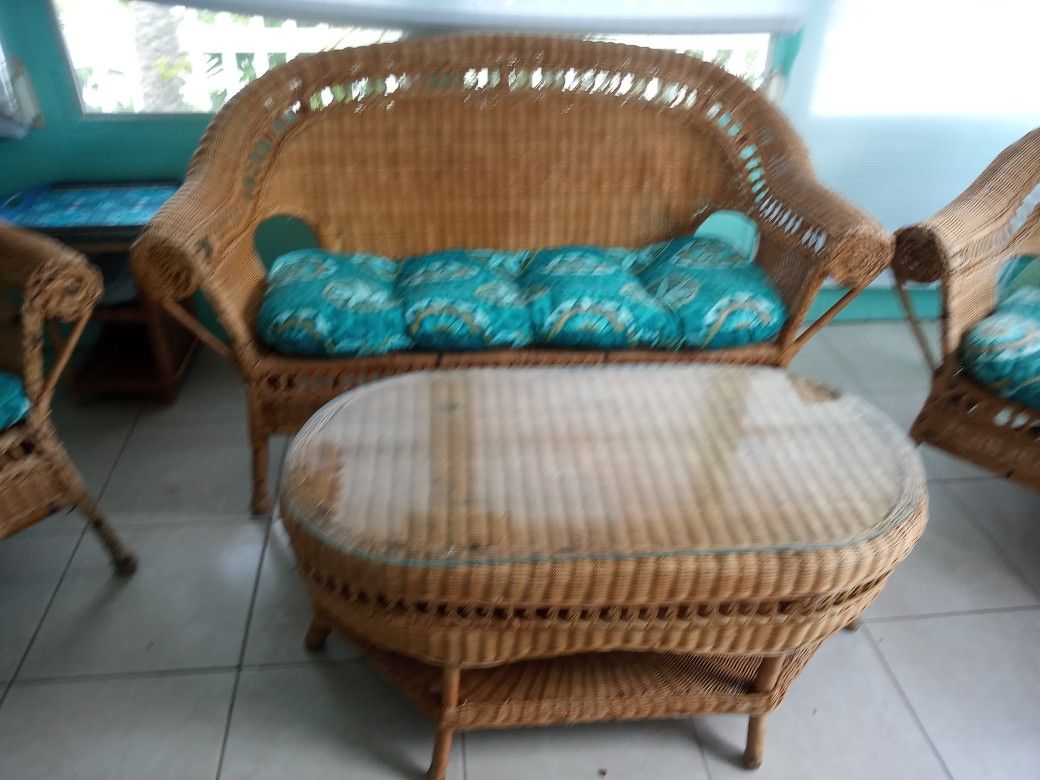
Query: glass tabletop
[(455, 468)]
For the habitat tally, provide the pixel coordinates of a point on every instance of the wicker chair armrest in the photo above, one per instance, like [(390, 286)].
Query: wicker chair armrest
[(805, 217), (979, 226), (55, 282), (171, 256)]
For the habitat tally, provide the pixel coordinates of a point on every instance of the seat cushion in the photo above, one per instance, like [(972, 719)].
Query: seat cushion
[(688, 292), (1002, 351), (583, 296), (719, 297), (319, 303), (14, 403), (463, 300)]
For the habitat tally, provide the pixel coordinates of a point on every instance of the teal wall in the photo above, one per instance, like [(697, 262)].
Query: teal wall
[(72, 147)]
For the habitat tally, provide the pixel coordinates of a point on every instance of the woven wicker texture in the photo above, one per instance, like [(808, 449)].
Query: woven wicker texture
[(963, 246), (494, 142), (596, 544), (589, 687), (694, 501), (41, 280)]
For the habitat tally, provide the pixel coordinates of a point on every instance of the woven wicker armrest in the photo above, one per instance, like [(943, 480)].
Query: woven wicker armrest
[(55, 281), (805, 217), (984, 224), (179, 239)]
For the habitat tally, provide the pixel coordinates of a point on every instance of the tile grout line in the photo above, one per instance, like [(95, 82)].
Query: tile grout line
[(994, 542), (906, 700), (845, 364), (242, 649), (119, 457), (953, 613), (185, 671), (700, 747), (864, 388), (144, 674), (68, 564), (43, 617)]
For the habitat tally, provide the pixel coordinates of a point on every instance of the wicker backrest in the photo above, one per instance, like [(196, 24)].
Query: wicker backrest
[(491, 141), (520, 172)]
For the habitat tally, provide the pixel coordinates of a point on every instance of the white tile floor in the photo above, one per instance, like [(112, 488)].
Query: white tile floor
[(194, 668)]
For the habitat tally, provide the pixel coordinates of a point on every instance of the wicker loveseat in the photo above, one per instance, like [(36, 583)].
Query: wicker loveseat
[(494, 142), (41, 280), (972, 413)]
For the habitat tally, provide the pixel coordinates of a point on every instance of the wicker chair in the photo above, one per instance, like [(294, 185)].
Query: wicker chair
[(963, 246), (494, 142), (37, 478)]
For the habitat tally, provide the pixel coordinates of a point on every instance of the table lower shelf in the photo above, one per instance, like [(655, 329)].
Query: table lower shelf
[(584, 688)]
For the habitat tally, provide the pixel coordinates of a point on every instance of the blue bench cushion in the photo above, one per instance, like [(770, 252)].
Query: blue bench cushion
[(14, 403), (719, 297), (1002, 351), (583, 296), (460, 300), (324, 304)]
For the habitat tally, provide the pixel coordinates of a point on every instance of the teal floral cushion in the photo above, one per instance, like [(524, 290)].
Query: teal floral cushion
[(687, 292), (1003, 350), (585, 297), (319, 303), (464, 300), (14, 403), (719, 297)]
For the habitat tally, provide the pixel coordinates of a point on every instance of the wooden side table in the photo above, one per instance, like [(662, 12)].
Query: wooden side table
[(140, 349)]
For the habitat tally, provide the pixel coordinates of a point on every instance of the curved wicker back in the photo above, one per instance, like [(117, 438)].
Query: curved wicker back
[(491, 141)]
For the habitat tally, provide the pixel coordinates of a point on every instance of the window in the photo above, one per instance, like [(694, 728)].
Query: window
[(138, 57), (141, 57)]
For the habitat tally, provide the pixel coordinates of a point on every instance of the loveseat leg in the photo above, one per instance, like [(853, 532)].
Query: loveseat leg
[(260, 502)]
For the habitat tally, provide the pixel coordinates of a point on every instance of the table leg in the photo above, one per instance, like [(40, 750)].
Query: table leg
[(756, 741), (766, 678), (317, 633), (442, 747)]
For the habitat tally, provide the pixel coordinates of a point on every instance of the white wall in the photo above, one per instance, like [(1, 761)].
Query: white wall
[(903, 102)]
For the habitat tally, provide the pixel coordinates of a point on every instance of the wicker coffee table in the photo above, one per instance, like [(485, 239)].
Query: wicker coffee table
[(532, 546)]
